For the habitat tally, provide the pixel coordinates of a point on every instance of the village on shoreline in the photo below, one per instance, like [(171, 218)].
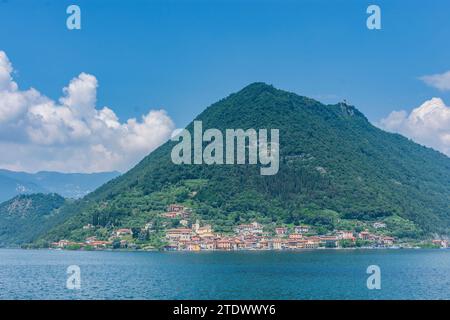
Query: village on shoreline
[(196, 236)]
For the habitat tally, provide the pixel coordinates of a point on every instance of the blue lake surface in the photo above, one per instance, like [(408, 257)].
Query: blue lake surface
[(316, 274)]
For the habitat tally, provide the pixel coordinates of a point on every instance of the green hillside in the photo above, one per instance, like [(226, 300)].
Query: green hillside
[(26, 217), (335, 168)]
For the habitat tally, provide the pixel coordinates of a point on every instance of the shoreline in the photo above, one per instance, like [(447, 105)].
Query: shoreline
[(218, 250)]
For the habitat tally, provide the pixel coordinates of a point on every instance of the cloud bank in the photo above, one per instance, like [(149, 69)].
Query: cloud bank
[(428, 124), (71, 135)]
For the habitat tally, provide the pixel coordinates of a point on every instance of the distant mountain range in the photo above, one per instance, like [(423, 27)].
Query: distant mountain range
[(68, 185)]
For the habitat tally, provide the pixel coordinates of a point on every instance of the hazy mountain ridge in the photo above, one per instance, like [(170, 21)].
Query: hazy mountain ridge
[(68, 185)]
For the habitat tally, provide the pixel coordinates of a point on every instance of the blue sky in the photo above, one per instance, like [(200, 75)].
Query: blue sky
[(184, 55)]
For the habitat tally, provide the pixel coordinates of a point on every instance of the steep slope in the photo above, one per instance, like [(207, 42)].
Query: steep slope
[(69, 185), (26, 217), (333, 164)]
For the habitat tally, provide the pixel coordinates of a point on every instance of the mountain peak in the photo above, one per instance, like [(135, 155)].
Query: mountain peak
[(259, 105), (257, 88)]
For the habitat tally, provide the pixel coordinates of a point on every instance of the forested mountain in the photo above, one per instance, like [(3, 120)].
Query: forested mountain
[(27, 217), (334, 166)]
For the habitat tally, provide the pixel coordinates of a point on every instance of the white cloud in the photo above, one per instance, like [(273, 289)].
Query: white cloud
[(71, 135), (439, 81), (6, 82), (428, 124)]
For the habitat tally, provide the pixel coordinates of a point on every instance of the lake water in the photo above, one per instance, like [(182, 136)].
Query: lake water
[(316, 274)]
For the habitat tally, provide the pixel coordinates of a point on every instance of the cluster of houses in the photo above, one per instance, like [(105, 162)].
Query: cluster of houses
[(441, 243), (175, 211), (93, 242), (253, 237)]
